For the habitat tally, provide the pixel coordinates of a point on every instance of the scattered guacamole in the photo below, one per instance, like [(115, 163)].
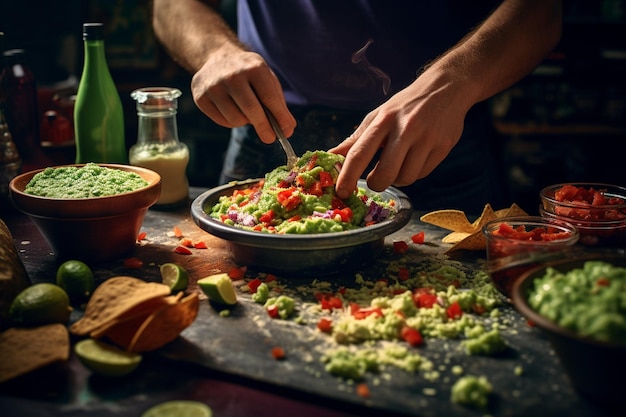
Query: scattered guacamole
[(302, 201), (590, 301), (88, 181), (472, 391)]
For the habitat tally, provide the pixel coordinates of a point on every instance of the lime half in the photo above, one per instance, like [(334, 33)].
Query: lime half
[(106, 359), (179, 408), (219, 288), (174, 276)]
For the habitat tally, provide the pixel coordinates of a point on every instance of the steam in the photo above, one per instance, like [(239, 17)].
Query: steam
[(359, 58)]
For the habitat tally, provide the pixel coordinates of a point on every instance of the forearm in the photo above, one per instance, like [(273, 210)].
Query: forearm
[(192, 30), (501, 51)]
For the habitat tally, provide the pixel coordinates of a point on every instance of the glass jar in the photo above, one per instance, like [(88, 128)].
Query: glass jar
[(158, 147)]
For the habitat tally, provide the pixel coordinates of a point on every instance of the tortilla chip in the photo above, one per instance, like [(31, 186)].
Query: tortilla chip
[(25, 349), (455, 237), (165, 325), (466, 235), (115, 297), (449, 219)]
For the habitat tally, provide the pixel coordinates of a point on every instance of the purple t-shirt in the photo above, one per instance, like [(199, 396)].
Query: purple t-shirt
[(353, 54)]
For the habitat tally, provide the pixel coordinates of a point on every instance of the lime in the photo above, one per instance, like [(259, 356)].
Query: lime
[(179, 408), (106, 359), (174, 276), (219, 288), (39, 304), (76, 278)]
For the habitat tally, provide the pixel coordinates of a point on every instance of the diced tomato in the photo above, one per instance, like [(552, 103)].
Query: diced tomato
[(418, 238), (141, 236), (337, 203), (267, 217), (272, 311), (177, 231), (200, 244), (253, 285), (361, 313), (603, 282), (315, 189), (186, 242), (412, 336), (133, 263), (182, 250), (363, 390), (278, 353), (270, 278), (237, 273), (312, 163), (424, 299), (345, 214), (454, 312), (294, 218), (289, 199), (331, 302), (478, 309), (325, 325), (400, 247), (403, 273), (326, 180)]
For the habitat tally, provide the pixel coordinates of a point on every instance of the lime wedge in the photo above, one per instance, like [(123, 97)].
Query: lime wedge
[(179, 408), (174, 276), (106, 359), (219, 288)]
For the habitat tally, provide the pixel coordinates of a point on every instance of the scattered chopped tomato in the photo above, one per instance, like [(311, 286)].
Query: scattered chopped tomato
[(315, 189), (272, 311), (345, 214), (237, 273), (424, 299), (141, 236), (361, 313), (325, 325), (454, 311), (289, 198), (200, 244), (478, 309), (412, 336), (331, 302), (278, 353), (337, 203), (177, 231), (418, 238), (182, 250), (133, 263), (363, 390), (253, 285), (270, 278), (400, 247), (603, 282), (403, 273), (186, 242)]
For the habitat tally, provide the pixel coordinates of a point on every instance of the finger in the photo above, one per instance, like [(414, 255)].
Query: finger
[(388, 168), (358, 157), (347, 143)]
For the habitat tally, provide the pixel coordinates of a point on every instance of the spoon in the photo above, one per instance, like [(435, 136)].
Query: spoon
[(291, 155)]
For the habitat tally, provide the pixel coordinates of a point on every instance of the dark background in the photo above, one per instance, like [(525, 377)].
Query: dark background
[(564, 122)]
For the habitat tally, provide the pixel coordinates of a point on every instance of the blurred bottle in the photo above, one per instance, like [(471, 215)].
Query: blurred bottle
[(158, 147), (10, 162), (18, 93), (98, 112)]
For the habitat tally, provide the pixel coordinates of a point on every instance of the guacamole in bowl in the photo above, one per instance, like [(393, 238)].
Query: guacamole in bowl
[(319, 234), (301, 201)]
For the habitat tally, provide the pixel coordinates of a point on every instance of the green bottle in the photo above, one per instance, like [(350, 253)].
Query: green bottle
[(98, 112)]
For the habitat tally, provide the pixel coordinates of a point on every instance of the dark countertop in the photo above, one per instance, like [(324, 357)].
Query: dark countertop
[(225, 363)]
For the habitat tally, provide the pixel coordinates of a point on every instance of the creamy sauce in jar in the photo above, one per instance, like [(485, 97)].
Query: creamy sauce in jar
[(172, 169)]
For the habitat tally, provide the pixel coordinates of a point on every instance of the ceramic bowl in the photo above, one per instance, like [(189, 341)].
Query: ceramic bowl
[(517, 244), (595, 368), (290, 254), (89, 229), (600, 223)]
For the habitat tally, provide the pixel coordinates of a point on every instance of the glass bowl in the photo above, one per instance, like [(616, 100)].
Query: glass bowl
[(597, 210), (516, 244)]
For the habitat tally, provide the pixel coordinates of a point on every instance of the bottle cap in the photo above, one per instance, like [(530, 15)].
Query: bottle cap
[(93, 31)]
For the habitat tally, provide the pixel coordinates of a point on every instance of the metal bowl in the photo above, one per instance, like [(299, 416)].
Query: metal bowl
[(287, 254)]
